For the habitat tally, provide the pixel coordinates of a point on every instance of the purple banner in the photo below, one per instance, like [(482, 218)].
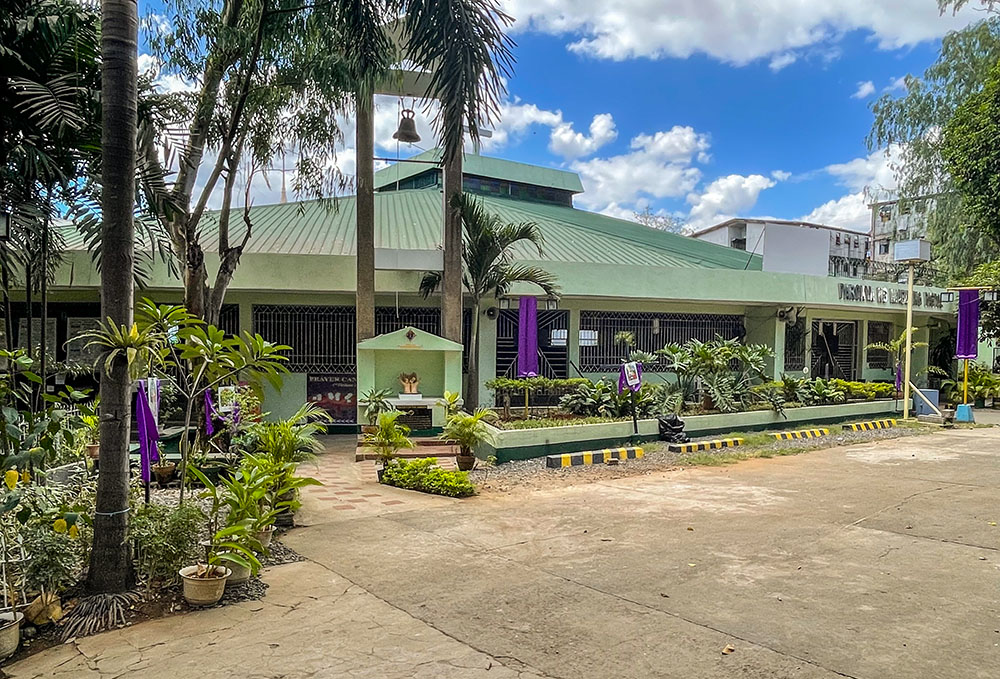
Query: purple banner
[(623, 380), (210, 413), (149, 435), (527, 337), (968, 324)]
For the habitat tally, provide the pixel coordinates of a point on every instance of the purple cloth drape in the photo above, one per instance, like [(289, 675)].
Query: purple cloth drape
[(527, 337), (623, 383), (899, 377), (149, 435), (968, 324), (210, 413)]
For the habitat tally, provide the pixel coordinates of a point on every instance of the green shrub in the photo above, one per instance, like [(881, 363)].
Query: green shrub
[(55, 559), (533, 384), (546, 422), (165, 539), (425, 476), (602, 399)]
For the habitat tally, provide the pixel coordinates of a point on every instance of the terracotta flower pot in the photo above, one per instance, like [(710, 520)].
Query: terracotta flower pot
[(164, 473), (203, 591), (465, 462), (94, 451), (10, 633)]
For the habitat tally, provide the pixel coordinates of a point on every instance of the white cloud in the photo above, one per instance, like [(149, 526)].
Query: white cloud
[(897, 84), (732, 31), (570, 144), (656, 166), (726, 197), (780, 61), (865, 90), (848, 212), (867, 176), (781, 175), (873, 171)]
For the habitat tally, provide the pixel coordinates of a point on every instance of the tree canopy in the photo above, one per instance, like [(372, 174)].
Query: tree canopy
[(911, 125)]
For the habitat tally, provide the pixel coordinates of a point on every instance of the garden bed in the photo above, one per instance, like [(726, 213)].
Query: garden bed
[(532, 474), (528, 443)]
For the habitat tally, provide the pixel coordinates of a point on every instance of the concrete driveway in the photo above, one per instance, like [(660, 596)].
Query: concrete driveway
[(875, 561)]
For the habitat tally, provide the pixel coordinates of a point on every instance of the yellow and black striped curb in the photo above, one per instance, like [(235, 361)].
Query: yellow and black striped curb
[(699, 446), (870, 426), (592, 457), (800, 434)]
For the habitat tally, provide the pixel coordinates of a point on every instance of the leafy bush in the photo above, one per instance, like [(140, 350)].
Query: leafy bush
[(534, 384), (425, 476), (820, 392), (164, 539), (55, 558), (544, 423), (468, 431), (602, 399)]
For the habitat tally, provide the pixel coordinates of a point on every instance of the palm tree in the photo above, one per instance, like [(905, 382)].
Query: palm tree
[(110, 559), (489, 269), (896, 349)]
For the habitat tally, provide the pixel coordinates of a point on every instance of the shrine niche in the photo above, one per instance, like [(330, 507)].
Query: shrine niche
[(418, 367)]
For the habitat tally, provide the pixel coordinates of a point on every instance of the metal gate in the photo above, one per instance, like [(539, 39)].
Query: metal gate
[(834, 349), (553, 328)]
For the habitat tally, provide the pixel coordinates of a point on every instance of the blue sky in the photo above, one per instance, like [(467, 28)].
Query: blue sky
[(707, 109)]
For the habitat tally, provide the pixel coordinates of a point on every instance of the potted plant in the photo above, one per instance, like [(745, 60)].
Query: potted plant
[(376, 402), (91, 427), (467, 432), (164, 470), (10, 632), (228, 548), (389, 437)]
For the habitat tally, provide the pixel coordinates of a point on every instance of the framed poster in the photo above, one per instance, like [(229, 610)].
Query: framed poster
[(336, 393)]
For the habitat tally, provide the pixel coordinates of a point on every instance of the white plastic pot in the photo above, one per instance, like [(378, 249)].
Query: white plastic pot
[(238, 575), (10, 633), (203, 591)]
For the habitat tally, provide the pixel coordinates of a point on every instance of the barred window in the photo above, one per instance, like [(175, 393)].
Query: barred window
[(795, 345), (323, 338), (652, 332), (879, 332)]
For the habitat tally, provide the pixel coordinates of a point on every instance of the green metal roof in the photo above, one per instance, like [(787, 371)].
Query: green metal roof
[(484, 166), (411, 220)]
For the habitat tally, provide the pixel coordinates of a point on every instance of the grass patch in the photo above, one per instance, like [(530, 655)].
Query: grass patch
[(762, 444)]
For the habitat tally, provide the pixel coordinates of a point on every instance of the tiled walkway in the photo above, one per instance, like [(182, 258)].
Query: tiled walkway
[(351, 488)]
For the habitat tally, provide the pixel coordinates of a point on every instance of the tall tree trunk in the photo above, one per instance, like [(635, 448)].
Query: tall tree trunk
[(471, 400), (110, 560), (8, 309), (44, 285)]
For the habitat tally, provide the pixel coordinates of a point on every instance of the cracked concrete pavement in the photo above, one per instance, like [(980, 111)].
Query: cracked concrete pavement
[(871, 561)]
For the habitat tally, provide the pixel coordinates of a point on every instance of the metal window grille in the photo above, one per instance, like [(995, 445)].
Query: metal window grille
[(322, 338), (795, 345), (553, 359), (834, 345), (879, 331), (229, 319), (652, 331)]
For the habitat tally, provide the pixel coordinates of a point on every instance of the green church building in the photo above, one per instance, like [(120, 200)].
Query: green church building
[(296, 285)]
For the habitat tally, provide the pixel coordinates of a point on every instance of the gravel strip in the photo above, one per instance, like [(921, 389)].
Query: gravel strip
[(533, 474)]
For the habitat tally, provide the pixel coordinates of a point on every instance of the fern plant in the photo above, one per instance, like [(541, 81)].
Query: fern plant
[(390, 436), (468, 431)]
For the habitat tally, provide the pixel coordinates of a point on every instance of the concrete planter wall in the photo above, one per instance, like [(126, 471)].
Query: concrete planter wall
[(524, 444)]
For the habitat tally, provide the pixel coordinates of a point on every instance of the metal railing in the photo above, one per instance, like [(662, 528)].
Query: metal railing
[(850, 267)]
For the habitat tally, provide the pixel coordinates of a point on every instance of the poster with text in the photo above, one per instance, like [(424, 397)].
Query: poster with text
[(334, 393)]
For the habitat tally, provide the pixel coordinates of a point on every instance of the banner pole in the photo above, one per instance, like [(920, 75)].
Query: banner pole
[(965, 395)]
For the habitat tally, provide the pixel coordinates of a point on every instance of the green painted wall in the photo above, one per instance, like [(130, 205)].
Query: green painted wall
[(281, 404)]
